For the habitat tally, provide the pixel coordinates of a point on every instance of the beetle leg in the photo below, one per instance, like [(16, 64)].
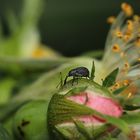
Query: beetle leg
[(65, 81), (87, 77), (79, 77), (73, 80), (61, 80)]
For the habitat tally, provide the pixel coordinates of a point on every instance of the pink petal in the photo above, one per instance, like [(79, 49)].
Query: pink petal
[(104, 105)]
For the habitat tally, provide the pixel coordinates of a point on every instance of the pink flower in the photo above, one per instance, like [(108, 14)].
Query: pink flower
[(100, 103)]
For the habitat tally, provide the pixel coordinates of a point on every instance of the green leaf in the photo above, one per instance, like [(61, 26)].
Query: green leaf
[(99, 132), (76, 90), (82, 129), (62, 133), (132, 118), (110, 79), (119, 123), (120, 90), (92, 71), (131, 107)]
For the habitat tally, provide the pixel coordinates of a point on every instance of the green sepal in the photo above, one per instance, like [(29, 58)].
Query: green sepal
[(131, 107), (92, 71), (63, 110), (88, 84), (99, 132), (76, 91), (82, 129), (62, 133), (119, 90), (110, 79), (131, 119), (119, 123)]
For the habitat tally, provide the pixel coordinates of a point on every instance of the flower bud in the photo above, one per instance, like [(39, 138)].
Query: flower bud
[(30, 121), (76, 111)]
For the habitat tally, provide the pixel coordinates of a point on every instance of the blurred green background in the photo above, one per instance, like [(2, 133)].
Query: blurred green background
[(72, 26)]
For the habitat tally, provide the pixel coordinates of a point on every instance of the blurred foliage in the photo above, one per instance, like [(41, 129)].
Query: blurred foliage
[(73, 27), (22, 55)]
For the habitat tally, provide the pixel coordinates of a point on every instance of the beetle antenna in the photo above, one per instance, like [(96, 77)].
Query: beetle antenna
[(65, 80)]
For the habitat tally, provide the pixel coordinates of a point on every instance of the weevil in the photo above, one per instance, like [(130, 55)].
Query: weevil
[(77, 73)]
